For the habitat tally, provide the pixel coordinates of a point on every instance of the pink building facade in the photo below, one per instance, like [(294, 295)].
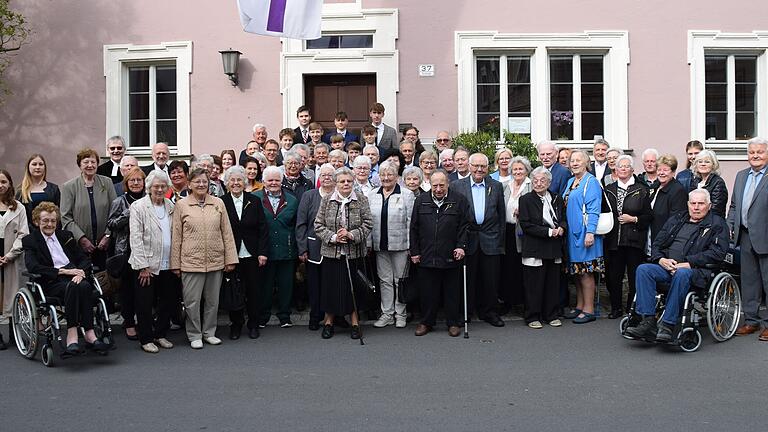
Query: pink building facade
[(640, 74)]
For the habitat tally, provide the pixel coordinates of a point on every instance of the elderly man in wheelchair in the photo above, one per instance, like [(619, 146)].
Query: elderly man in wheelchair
[(682, 256), (57, 265)]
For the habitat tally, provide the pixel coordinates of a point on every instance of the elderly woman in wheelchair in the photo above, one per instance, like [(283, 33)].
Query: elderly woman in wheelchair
[(684, 254), (60, 276)]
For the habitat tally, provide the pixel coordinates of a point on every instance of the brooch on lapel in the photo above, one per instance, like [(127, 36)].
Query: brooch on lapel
[(489, 191)]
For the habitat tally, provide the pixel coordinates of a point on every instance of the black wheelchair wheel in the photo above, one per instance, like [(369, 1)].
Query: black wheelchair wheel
[(47, 355), (25, 323), (101, 325)]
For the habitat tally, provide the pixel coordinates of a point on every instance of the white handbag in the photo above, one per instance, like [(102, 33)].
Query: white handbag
[(605, 220)]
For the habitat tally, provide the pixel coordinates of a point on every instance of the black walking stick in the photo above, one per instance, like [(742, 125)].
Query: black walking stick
[(354, 300), (466, 317)]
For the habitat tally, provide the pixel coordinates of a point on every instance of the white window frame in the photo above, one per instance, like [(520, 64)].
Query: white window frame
[(714, 42), (117, 60), (613, 45)]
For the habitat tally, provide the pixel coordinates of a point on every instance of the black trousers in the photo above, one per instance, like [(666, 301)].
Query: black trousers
[(483, 283), (313, 292), (511, 289), (542, 291), (434, 283), (78, 300), (250, 273), (624, 260), (128, 296), (160, 291)]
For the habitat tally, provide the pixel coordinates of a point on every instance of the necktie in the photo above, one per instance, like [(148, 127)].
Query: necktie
[(304, 133), (748, 194)]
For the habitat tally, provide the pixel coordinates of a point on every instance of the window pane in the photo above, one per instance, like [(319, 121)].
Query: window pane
[(715, 69), (716, 97), (138, 79), (166, 132), (519, 98), (745, 97), (716, 125), (166, 106), (325, 42), (488, 98), (745, 126), (561, 97), (562, 125), (357, 41), (592, 97), (561, 69), (746, 69), (591, 125), (488, 123), (592, 69), (139, 134), (488, 70), (519, 70), (165, 78), (138, 106)]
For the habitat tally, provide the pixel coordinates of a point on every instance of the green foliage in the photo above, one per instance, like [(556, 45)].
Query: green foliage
[(486, 142), (14, 31), (521, 145)]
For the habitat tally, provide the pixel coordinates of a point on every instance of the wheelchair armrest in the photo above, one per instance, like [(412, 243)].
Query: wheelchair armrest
[(712, 266), (31, 276)]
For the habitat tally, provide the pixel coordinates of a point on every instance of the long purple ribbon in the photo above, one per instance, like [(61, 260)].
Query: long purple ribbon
[(276, 15)]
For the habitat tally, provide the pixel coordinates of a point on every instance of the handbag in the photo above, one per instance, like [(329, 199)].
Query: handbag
[(605, 220), (116, 265), (232, 293), (407, 288)]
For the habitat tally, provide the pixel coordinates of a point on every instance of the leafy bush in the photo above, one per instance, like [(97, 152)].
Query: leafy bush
[(486, 142)]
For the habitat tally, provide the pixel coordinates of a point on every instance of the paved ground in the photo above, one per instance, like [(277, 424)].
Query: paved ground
[(512, 378)]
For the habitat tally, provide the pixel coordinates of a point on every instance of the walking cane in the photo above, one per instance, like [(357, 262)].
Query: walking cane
[(466, 318), (354, 300)]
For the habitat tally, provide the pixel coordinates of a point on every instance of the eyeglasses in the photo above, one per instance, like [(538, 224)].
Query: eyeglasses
[(428, 163), (478, 166), (115, 148), (443, 140), (200, 182)]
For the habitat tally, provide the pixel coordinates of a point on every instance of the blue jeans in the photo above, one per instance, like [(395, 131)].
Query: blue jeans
[(648, 275)]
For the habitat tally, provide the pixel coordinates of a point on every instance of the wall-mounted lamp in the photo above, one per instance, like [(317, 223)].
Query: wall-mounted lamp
[(231, 59)]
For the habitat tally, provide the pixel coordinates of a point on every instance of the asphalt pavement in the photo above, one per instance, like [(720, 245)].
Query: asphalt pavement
[(513, 378)]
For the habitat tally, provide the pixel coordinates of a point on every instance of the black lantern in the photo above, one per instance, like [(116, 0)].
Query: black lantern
[(231, 59)]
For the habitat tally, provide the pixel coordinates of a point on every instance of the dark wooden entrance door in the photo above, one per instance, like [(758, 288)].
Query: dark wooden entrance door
[(327, 94)]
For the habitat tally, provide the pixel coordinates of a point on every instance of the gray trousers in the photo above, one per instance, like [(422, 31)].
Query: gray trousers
[(390, 266), (197, 287), (754, 280)]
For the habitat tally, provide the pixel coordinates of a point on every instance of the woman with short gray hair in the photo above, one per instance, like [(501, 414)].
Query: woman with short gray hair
[(362, 174), (413, 178)]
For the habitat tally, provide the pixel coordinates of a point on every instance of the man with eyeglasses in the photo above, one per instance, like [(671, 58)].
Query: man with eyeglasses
[(442, 142), (486, 213), (111, 168)]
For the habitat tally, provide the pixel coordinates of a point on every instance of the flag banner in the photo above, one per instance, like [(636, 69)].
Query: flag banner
[(297, 19)]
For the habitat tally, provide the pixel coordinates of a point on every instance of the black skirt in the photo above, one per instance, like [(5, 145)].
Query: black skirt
[(335, 294)]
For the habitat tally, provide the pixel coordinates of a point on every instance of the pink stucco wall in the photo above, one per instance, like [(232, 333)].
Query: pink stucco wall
[(58, 102)]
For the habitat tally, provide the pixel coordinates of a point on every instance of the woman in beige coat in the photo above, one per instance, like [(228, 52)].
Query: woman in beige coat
[(13, 225), (203, 246)]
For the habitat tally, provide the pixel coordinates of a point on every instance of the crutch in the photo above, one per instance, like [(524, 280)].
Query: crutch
[(466, 317), (354, 300)]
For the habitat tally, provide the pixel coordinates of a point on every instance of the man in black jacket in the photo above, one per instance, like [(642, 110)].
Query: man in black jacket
[(686, 244), (116, 151), (438, 239)]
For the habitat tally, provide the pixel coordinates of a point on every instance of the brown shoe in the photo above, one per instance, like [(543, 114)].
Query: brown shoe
[(763, 335), (454, 331), (747, 329), (422, 329)]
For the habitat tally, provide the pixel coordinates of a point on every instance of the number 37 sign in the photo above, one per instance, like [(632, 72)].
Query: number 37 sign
[(426, 70)]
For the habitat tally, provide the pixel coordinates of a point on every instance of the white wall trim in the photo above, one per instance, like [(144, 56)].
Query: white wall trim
[(381, 60), (613, 43), (700, 42), (115, 59)]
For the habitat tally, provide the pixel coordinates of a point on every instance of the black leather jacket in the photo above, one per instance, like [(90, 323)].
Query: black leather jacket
[(636, 203), (718, 192)]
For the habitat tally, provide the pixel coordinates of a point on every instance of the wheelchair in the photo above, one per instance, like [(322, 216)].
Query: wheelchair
[(37, 316), (719, 305)]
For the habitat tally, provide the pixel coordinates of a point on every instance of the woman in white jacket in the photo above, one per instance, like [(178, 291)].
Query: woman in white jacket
[(391, 208)]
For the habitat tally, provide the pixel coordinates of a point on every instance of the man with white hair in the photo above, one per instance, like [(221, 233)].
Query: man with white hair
[(684, 246), (446, 161), (127, 163), (548, 156), (160, 156), (259, 137), (111, 168), (649, 177)]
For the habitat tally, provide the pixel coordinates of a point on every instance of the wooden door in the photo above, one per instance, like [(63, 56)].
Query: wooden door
[(325, 95)]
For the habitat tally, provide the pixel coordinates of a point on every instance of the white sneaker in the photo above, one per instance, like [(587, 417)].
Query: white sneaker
[(400, 321), (150, 348), (212, 340), (384, 321), (555, 323), (535, 325), (196, 344), (164, 343)]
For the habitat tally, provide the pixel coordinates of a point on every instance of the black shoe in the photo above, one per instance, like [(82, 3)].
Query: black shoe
[(97, 346), (494, 320), (571, 314), (664, 335), (313, 325), (253, 333), (234, 332), (356, 332), (327, 331), (342, 322), (616, 313), (645, 330), (73, 349), (286, 323)]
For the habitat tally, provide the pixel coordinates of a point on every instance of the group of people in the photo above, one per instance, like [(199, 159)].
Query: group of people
[(311, 216)]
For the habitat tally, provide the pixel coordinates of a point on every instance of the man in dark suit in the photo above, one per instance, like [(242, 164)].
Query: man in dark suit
[(246, 216), (341, 121), (160, 156), (599, 167), (548, 157), (56, 256), (386, 136), (301, 133), (486, 213), (111, 168), (461, 162), (747, 219)]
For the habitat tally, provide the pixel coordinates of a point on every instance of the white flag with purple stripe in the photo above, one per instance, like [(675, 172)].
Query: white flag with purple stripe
[(297, 19)]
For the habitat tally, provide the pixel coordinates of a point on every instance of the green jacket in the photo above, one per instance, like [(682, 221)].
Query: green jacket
[(281, 224)]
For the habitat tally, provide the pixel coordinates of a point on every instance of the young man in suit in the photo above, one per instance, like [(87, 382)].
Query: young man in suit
[(116, 151), (301, 133), (386, 136), (486, 213), (341, 121)]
